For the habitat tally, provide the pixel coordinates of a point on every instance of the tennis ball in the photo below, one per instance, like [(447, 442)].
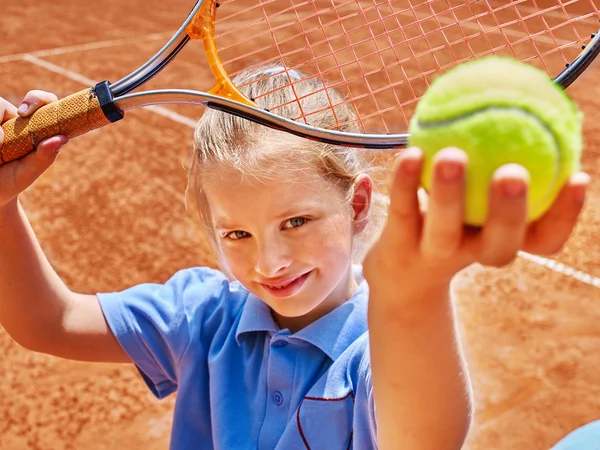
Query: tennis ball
[(500, 111)]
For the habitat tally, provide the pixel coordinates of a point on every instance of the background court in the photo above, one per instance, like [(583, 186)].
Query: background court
[(110, 214)]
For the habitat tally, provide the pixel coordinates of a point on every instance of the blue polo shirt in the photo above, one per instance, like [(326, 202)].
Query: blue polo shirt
[(241, 382)]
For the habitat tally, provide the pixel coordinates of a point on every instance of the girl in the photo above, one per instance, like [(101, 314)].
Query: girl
[(279, 350)]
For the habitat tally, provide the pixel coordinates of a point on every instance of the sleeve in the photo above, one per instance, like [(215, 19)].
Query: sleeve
[(155, 323)]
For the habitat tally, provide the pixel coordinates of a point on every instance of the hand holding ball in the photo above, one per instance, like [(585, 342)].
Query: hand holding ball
[(500, 111)]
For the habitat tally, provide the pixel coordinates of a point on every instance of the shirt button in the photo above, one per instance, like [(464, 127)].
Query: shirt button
[(277, 398), (280, 344)]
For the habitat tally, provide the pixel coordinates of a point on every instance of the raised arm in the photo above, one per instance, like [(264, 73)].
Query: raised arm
[(36, 308)]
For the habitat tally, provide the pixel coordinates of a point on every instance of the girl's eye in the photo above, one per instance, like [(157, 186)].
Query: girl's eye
[(237, 235), (295, 222)]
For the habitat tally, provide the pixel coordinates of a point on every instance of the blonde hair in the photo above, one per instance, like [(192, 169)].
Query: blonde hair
[(222, 138)]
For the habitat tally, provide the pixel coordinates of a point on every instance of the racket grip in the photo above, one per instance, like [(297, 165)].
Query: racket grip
[(71, 116)]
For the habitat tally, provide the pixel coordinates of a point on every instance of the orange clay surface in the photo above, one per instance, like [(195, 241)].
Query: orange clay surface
[(110, 214)]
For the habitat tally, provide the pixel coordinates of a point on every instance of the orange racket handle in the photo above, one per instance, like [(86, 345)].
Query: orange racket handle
[(71, 116)]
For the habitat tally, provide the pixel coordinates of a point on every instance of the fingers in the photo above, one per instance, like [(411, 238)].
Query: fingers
[(404, 215), (440, 234), (443, 227), (18, 175), (34, 100), (505, 227), (7, 111), (549, 233)]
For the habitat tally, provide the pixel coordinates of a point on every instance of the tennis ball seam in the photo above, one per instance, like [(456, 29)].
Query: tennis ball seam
[(425, 125), (444, 123)]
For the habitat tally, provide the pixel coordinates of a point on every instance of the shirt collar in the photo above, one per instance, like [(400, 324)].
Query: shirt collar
[(256, 316), (336, 331), (332, 333)]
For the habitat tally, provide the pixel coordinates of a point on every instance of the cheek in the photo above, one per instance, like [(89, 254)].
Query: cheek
[(335, 237), (235, 257)]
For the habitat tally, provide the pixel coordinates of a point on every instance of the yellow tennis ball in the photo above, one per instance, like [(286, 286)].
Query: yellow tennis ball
[(500, 111)]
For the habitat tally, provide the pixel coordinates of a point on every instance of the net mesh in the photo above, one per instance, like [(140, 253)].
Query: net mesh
[(381, 56)]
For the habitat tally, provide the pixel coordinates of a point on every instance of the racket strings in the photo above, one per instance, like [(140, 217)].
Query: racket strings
[(381, 55)]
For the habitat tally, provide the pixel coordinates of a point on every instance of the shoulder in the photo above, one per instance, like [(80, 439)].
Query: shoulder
[(194, 280), (192, 301), (189, 288), (158, 324), (203, 285), (208, 295)]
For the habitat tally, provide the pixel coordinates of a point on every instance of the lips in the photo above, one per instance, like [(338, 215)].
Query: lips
[(282, 283), (286, 286)]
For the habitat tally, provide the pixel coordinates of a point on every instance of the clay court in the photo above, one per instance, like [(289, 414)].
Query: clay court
[(110, 214)]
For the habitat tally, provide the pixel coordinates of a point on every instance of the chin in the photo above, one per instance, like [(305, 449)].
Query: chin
[(292, 310)]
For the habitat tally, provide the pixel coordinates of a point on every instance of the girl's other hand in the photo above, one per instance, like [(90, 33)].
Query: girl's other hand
[(18, 175)]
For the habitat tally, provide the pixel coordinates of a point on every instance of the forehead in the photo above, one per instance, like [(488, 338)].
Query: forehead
[(231, 193)]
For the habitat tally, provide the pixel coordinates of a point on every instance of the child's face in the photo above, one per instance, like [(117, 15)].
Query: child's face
[(287, 238)]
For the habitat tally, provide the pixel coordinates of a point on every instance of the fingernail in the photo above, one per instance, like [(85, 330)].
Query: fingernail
[(63, 140), (412, 161), (450, 172), (23, 108), (514, 188), (410, 166)]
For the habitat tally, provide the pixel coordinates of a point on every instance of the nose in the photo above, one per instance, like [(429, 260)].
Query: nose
[(273, 256)]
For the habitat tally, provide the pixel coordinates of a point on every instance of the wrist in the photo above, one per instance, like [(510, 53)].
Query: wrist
[(406, 297)]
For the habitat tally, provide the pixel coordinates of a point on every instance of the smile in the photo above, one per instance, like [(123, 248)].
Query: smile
[(286, 287)]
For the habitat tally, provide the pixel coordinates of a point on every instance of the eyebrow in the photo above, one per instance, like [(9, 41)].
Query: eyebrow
[(224, 225), (299, 210), (296, 211)]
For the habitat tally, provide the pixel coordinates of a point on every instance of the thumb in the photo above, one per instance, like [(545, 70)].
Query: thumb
[(40, 159), (49, 148)]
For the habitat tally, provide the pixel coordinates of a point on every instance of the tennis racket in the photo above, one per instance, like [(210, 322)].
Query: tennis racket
[(380, 55)]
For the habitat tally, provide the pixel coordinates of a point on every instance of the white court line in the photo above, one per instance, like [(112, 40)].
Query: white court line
[(176, 117), (562, 269), (86, 47), (60, 70), (164, 112)]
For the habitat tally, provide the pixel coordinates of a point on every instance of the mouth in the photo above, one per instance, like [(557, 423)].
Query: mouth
[(285, 287)]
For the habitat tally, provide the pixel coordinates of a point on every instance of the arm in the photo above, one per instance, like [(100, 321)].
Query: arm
[(417, 364), (36, 307), (420, 383)]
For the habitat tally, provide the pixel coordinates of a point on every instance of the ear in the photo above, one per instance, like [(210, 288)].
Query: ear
[(361, 202)]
